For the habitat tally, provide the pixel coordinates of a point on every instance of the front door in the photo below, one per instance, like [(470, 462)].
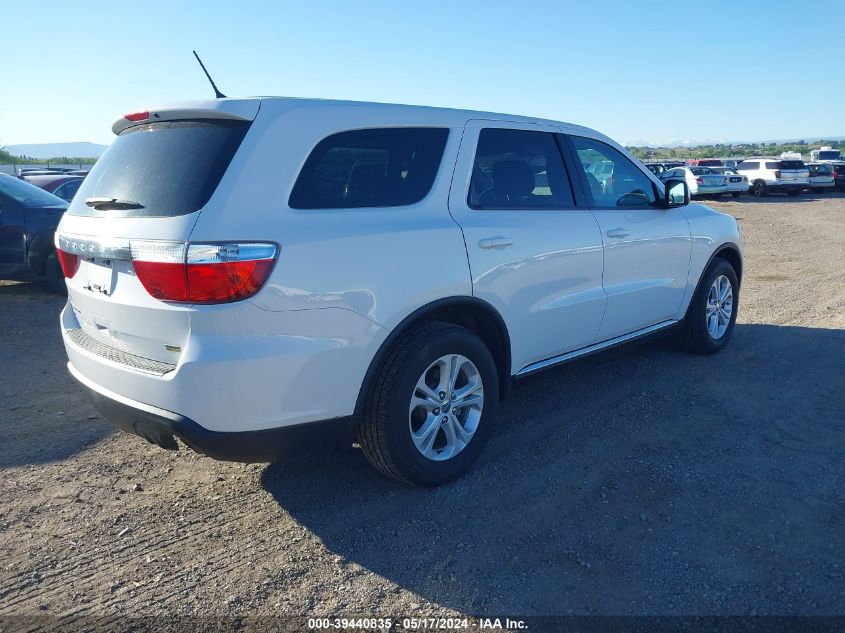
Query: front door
[(646, 248), (533, 255)]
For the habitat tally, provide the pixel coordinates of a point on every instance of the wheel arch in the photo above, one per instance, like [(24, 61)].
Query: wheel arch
[(476, 315), (729, 251), (40, 247)]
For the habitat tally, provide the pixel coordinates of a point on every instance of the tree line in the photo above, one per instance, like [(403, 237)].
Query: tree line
[(731, 150), (7, 158)]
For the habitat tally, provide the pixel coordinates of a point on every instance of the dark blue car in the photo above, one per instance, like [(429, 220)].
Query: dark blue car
[(28, 220)]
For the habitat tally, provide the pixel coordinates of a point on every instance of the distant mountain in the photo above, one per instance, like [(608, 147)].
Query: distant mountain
[(54, 150)]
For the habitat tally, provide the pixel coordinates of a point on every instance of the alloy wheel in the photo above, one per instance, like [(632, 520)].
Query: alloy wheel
[(446, 407), (720, 303)]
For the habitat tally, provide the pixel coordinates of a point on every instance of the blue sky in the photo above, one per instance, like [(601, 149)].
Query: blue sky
[(635, 70)]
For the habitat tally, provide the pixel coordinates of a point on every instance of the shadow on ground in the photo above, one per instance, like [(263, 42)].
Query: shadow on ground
[(43, 414), (644, 481)]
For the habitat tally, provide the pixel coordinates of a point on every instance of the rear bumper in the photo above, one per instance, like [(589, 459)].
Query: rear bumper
[(162, 427)]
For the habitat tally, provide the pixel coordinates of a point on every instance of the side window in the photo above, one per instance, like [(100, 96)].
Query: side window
[(771, 165), (379, 167), (518, 169), (614, 181), (748, 165), (68, 190)]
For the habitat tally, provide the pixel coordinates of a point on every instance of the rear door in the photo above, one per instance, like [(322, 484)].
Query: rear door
[(534, 255), (147, 189), (646, 248), (12, 232)]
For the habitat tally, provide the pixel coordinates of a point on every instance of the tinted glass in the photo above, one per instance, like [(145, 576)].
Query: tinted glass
[(772, 164), (68, 190), (614, 181), (700, 171), (26, 194), (381, 167), (748, 164), (169, 167), (821, 170), (791, 164), (518, 169), (829, 154)]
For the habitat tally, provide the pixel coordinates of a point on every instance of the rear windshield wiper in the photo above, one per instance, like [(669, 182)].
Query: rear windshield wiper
[(104, 204)]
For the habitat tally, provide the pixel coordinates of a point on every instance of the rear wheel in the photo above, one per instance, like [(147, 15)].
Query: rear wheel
[(432, 406), (54, 274), (759, 188), (711, 316)]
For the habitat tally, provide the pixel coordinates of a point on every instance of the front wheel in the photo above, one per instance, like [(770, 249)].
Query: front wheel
[(759, 188), (432, 406), (711, 316)]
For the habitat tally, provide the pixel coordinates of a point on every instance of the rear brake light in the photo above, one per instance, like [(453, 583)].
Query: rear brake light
[(777, 173), (202, 273), (69, 263), (137, 116), (699, 181)]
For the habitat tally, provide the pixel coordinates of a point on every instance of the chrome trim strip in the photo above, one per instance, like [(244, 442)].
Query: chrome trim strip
[(84, 246), (591, 349)]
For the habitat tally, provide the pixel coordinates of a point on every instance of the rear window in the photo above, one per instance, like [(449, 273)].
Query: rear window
[(830, 154), (710, 162), (169, 167), (791, 164), (700, 171), (379, 167), (821, 169)]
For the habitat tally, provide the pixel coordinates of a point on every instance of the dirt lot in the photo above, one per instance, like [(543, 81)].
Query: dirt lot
[(647, 481)]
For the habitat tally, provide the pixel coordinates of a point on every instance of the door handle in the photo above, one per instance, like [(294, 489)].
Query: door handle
[(497, 242), (618, 233)]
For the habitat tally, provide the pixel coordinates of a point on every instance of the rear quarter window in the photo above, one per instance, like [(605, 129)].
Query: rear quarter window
[(169, 167), (377, 167)]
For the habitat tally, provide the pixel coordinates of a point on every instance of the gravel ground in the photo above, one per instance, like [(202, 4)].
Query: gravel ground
[(643, 481)]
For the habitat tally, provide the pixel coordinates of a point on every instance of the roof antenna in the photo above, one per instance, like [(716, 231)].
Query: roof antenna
[(217, 93)]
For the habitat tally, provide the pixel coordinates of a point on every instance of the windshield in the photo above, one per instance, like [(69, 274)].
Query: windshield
[(167, 167), (26, 194)]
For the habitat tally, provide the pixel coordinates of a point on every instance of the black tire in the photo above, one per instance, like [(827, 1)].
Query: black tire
[(53, 273), (694, 334), (759, 189), (385, 433)]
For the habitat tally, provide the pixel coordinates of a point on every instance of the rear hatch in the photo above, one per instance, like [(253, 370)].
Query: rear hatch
[(792, 171), (147, 190)]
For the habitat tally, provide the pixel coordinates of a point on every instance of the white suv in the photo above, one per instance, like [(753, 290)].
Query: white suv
[(775, 175), (254, 276)]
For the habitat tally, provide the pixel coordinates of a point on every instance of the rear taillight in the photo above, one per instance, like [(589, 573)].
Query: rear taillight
[(69, 263), (699, 181), (202, 273), (777, 173), (137, 116)]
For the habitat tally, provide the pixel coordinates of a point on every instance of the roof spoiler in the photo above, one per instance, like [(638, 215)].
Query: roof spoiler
[(237, 109)]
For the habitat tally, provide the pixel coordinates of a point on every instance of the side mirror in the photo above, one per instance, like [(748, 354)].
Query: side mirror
[(675, 193)]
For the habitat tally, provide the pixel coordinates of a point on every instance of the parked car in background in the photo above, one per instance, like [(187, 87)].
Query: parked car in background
[(28, 220), (838, 175), (821, 177), (702, 181), (737, 183), (825, 154), (249, 306), (705, 162), (772, 175), (655, 168), (64, 186)]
